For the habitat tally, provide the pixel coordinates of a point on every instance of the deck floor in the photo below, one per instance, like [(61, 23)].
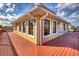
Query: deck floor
[(65, 45), (6, 48)]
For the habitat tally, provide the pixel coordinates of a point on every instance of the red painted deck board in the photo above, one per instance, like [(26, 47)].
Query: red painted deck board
[(59, 54), (6, 48), (23, 46), (65, 45)]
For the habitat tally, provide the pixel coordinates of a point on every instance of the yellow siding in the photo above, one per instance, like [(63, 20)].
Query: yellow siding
[(17, 27)]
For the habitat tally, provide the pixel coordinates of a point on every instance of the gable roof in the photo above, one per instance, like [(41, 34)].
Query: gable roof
[(41, 5), (56, 17)]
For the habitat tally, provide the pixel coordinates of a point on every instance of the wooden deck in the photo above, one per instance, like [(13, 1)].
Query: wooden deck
[(65, 45), (6, 48), (23, 47)]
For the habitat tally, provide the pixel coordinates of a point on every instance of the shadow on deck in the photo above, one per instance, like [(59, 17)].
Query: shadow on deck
[(70, 40)]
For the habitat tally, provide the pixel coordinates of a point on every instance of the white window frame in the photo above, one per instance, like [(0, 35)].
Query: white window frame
[(45, 36), (56, 27), (28, 28)]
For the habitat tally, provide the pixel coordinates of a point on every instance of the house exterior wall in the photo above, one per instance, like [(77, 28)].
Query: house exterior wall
[(39, 37), (39, 31), (26, 35), (17, 26), (59, 31)]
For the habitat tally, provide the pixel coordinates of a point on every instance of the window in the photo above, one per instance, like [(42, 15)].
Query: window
[(58, 23), (20, 27), (46, 27), (31, 24), (54, 27), (64, 27), (24, 29), (16, 26)]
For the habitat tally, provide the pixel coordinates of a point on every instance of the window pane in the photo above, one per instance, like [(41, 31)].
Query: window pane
[(64, 27), (20, 27), (15, 27), (31, 26), (46, 27), (54, 27), (24, 29)]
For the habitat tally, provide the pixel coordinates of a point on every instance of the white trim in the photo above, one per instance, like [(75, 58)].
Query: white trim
[(31, 36), (36, 32), (44, 16), (25, 13), (55, 33), (26, 27), (40, 32), (56, 27), (46, 36), (31, 15)]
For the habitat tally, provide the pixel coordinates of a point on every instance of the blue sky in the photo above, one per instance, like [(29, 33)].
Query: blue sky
[(11, 11)]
